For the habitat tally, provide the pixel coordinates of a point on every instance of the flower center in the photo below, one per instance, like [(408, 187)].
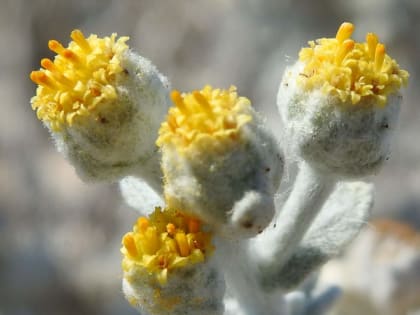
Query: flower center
[(209, 115), (165, 241), (352, 71), (80, 77)]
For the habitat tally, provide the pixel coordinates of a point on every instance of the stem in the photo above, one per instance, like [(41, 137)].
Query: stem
[(242, 283), (273, 248)]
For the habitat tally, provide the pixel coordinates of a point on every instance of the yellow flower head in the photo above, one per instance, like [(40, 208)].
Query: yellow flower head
[(204, 119), (350, 70), (80, 77), (167, 240)]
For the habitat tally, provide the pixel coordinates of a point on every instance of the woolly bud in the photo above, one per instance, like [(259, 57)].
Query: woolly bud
[(103, 105), (340, 103), (219, 162), (167, 266)]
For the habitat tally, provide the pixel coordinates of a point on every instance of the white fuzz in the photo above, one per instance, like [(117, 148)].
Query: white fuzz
[(196, 289), (139, 195), (258, 286), (341, 218), (242, 282), (272, 249), (251, 214), (215, 243), (121, 139), (334, 136), (344, 214), (233, 190)]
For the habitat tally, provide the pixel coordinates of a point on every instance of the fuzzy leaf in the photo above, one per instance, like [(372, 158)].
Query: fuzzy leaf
[(139, 195), (340, 220)]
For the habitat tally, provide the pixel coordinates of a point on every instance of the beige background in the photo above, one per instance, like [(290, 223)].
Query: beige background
[(60, 238)]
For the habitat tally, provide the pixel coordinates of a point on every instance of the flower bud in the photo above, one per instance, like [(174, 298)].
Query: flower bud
[(219, 161), (340, 103), (103, 105), (167, 266)]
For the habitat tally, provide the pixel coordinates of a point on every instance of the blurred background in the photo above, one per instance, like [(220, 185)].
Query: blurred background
[(59, 237)]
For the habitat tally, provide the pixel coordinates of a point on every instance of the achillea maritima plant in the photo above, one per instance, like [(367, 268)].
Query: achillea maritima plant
[(221, 244)]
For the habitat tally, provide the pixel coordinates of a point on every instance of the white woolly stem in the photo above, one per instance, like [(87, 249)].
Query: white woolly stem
[(243, 284), (251, 263), (272, 249)]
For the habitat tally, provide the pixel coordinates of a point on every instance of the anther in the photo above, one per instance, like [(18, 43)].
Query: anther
[(130, 245), (182, 242), (80, 40), (142, 224), (343, 50), (172, 123), (372, 41), (176, 97), (55, 72), (344, 32), (56, 47), (201, 100), (70, 55), (41, 78), (170, 228), (48, 64), (379, 56)]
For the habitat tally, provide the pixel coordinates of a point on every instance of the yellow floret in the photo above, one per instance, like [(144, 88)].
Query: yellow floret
[(352, 71), (80, 78), (165, 241), (203, 118)]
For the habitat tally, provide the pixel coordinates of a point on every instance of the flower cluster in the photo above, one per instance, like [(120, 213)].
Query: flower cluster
[(340, 103), (215, 157), (96, 100), (216, 168), (200, 117), (167, 240), (81, 76)]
